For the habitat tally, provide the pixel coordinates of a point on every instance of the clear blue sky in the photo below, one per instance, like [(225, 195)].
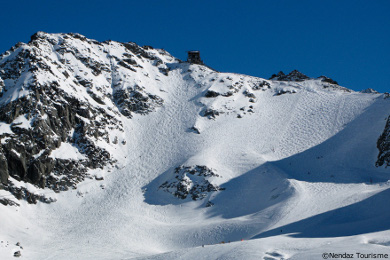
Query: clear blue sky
[(347, 40)]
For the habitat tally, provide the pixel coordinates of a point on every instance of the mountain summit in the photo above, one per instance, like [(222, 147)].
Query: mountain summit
[(123, 146)]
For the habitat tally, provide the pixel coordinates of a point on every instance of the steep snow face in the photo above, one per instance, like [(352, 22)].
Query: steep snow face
[(163, 156)]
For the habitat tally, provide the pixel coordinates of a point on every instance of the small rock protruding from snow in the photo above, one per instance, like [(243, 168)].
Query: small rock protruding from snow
[(285, 91), (211, 94), (328, 80), (195, 129), (210, 113)]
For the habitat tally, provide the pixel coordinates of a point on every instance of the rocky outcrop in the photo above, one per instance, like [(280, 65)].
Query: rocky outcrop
[(328, 80), (292, 76), (63, 92), (211, 94), (210, 113), (223, 88), (136, 101), (24, 193), (49, 117), (383, 145), (191, 181), (3, 167), (369, 91)]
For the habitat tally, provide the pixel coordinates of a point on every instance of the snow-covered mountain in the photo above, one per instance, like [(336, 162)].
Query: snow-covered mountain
[(129, 152)]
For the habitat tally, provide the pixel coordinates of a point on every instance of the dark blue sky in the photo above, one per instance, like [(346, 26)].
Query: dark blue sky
[(347, 40)]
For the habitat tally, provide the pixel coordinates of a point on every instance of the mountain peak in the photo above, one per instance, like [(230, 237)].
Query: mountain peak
[(294, 75), (39, 35), (369, 91), (124, 132)]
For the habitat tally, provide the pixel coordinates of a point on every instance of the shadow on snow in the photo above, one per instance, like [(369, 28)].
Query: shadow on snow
[(367, 216)]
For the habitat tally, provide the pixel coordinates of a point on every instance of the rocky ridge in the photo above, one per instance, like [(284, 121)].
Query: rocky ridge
[(64, 93), (292, 76), (369, 91)]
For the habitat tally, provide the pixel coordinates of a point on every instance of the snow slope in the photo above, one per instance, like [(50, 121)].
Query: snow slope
[(296, 161)]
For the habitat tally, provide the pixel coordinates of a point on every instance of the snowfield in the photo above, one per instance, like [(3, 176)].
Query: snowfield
[(297, 171)]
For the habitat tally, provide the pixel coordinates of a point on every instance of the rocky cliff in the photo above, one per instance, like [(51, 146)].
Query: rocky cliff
[(62, 99), (383, 145)]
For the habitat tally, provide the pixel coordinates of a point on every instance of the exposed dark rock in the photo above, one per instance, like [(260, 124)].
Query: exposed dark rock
[(2, 87), (211, 94), (280, 74), (369, 91), (328, 80), (195, 130), (9, 202), (191, 181), (383, 145), (261, 85), (209, 204), (249, 94), (23, 193), (137, 101), (292, 76), (51, 121), (335, 87), (52, 110), (228, 94), (164, 71), (285, 91), (140, 51), (3, 167), (210, 113), (123, 64)]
